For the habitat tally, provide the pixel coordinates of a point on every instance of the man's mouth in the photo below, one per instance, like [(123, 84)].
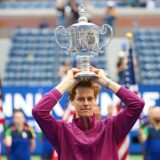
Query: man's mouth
[(85, 109)]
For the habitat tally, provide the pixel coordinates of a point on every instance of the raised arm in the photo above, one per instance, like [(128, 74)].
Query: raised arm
[(41, 111), (124, 121), (8, 138), (104, 81), (68, 82)]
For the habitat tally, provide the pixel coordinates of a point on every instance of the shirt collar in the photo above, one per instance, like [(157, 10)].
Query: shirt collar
[(79, 122)]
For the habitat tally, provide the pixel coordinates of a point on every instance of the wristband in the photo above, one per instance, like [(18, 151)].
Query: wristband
[(108, 83)]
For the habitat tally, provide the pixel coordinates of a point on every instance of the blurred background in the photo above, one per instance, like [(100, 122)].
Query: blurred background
[(31, 63)]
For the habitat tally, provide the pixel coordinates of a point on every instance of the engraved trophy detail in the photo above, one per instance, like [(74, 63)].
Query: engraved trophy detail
[(84, 42)]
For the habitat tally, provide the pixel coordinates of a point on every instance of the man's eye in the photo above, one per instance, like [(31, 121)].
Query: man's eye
[(80, 99), (90, 99)]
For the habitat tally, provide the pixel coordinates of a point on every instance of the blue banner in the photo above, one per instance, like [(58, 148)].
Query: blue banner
[(26, 97)]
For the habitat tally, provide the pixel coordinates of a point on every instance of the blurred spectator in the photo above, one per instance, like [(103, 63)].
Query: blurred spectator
[(64, 69), (60, 4), (97, 112), (19, 137), (132, 3), (74, 10), (111, 13), (121, 66), (146, 122), (142, 3), (47, 148), (122, 62), (149, 135), (151, 4), (110, 110), (43, 24)]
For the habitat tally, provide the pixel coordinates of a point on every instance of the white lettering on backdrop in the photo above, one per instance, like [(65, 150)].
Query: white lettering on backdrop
[(27, 102)]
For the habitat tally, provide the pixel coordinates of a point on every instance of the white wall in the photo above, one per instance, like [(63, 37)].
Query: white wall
[(5, 44)]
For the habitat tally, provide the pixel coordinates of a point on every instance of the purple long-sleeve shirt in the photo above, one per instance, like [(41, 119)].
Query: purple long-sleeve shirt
[(72, 142)]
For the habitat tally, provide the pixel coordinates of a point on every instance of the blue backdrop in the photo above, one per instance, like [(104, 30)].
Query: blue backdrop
[(26, 97)]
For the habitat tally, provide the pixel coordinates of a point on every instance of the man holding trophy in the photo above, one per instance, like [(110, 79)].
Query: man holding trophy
[(86, 138)]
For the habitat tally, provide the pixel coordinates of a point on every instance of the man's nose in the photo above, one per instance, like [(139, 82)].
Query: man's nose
[(86, 102)]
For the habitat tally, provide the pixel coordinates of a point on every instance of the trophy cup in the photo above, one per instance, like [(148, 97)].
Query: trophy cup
[(84, 42)]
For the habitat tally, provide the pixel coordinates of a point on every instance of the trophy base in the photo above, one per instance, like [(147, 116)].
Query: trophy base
[(85, 75)]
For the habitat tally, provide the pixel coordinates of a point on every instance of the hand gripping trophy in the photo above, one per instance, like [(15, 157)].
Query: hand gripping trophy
[(84, 42)]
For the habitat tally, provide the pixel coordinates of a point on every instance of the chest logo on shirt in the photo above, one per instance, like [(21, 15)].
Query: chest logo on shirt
[(24, 134)]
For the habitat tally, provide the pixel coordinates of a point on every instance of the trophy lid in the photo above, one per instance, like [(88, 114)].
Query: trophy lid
[(83, 20)]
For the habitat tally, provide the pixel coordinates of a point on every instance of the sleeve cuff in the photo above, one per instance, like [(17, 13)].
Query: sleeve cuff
[(122, 93), (55, 94)]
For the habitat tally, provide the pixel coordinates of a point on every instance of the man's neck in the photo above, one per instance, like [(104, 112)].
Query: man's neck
[(85, 122), (20, 127)]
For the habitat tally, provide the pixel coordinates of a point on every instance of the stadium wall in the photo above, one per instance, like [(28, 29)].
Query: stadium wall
[(5, 44), (127, 18)]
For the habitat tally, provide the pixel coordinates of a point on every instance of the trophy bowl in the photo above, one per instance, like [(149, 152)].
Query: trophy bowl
[(84, 42)]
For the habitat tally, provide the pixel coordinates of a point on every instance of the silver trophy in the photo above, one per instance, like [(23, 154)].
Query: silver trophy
[(84, 42)]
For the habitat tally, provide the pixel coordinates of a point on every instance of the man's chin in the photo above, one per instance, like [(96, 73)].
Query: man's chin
[(86, 115)]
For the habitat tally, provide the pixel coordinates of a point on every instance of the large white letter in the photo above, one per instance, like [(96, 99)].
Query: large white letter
[(58, 110), (105, 101), (25, 105), (150, 100), (38, 96), (7, 105)]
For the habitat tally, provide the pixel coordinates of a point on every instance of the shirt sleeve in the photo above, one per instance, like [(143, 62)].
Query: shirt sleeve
[(145, 131), (124, 121), (46, 121), (8, 132), (32, 133)]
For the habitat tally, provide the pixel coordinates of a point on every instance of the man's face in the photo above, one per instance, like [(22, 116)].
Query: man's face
[(19, 118), (84, 102), (156, 116)]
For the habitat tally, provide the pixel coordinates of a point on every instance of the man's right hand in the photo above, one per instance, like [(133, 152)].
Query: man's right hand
[(69, 81)]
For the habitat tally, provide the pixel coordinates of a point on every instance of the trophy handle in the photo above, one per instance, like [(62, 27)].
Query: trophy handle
[(105, 28), (61, 30)]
